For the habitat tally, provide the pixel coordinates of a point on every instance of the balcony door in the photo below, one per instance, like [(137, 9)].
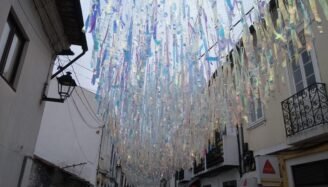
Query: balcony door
[(304, 71)]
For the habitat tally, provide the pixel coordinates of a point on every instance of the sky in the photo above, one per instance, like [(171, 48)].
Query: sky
[(82, 71)]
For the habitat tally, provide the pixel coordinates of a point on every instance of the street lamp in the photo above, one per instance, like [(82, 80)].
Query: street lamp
[(66, 85)]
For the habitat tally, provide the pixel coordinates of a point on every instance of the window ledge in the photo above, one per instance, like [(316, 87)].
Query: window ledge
[(8, 83), (259, 122)]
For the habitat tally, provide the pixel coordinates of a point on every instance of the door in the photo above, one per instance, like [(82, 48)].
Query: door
[(313, 174)]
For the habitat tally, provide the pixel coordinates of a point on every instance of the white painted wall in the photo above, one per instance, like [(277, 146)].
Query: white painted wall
[(230, 150), (70, 133), (21, 110), (218, 180)]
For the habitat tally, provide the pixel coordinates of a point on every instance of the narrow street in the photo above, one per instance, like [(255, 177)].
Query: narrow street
[(163, 93)]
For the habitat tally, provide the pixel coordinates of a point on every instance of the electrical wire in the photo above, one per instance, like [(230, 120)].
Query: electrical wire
[(88, 103), (84, 67), (92, 113), (76, 135), (231, 28), (82, 117), (77, 79), (80, 74), (73, 124), (59, 62)]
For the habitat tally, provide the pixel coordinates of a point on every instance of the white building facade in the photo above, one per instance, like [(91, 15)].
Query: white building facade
[(69, 135), (29, 44)]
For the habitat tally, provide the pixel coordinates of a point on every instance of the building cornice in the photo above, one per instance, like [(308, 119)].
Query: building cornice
[(52, 24)]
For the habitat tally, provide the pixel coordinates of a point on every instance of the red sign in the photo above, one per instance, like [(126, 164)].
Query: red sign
[(268, 169)]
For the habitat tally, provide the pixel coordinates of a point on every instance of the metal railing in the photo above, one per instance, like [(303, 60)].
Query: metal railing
[(199, 167), (181, 174), (306, 109), (214, 157)]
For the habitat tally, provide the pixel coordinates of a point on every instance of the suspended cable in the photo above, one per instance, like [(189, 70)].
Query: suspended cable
[(76, 135), (82, 117), (231, 28), (86, 99), (89, 107)]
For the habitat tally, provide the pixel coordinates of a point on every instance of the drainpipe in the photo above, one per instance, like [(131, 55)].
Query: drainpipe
[(84, 47), (100, 150), (243, 145), (239, 153), (70, 63), (23, 176), (242, 138)]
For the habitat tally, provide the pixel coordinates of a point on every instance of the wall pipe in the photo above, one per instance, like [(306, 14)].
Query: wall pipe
[(84, 47), (239, 153), (70, 63)]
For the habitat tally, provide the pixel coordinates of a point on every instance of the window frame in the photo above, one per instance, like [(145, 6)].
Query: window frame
[(300, 62), (258, 121), (15, 30)]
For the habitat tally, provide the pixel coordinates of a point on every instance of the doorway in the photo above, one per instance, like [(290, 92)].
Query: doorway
[(312, 174)]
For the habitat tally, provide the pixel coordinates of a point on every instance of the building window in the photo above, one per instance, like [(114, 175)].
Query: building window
[(303, 73), (11, 46), (256, 109), (256, 114)]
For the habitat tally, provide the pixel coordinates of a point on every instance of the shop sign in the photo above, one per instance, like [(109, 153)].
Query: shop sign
[(268, 168)]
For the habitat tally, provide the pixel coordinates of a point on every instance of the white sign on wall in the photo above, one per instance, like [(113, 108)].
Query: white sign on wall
[(267, 168)]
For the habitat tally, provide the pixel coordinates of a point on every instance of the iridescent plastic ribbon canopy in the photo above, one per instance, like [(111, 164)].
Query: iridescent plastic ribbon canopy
[(171, 72)]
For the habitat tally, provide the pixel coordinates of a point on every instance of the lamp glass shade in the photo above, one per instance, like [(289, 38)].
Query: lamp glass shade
[(66, 85)]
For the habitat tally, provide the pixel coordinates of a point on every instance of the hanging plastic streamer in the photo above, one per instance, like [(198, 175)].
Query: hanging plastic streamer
[(171, 72), (313, 5), (324, 6)]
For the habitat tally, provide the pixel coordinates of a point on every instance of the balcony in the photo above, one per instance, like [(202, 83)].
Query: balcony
[(183, 175), (199, 167), (305, 114), (214, 157), (221, 156)]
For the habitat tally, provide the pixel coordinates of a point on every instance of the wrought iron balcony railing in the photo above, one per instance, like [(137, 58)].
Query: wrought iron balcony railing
[(181, 174), (214, 157), (199, 167), (306, 109)]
